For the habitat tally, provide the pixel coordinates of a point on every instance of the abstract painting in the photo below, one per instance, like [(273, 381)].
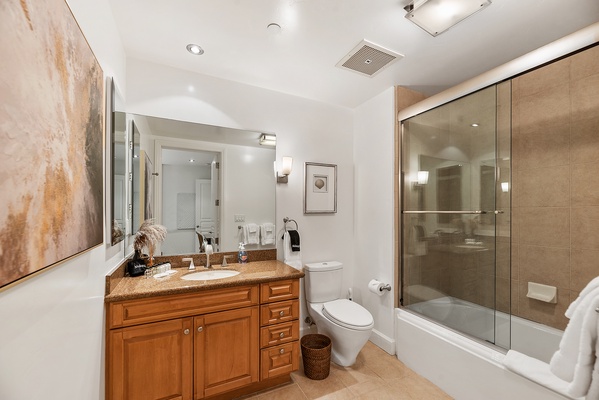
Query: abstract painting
[(51, 136)]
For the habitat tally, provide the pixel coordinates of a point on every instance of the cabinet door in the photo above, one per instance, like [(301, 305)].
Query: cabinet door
[(151, 361), (226, 351)]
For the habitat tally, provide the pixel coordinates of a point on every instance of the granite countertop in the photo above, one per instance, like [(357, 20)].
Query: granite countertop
[(254, 272)]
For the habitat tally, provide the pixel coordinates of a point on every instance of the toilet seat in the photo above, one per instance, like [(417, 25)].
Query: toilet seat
[(348, 314)]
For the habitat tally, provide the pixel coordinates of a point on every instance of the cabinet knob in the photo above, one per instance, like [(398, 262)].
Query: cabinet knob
[(281, 335), (186, 331), (282, 313), (281, 351), (200, 328)]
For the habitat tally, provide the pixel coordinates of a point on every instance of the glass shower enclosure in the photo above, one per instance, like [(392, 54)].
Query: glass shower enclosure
[(455, 214)]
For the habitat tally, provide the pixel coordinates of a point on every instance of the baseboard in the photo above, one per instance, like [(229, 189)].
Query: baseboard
[(383, 341)]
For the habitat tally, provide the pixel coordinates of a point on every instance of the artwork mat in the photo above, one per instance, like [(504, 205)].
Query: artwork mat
[(65, 215), (320, 200)]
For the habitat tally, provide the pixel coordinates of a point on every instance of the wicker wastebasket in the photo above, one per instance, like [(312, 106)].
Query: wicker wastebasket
[(316, 355)]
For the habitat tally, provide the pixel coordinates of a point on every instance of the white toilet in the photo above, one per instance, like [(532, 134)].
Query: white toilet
[(348, 324)]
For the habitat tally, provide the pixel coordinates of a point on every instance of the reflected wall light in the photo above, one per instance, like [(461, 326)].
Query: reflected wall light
[(268, 140), (285, 170), (437, 16), (505, 187), (422, 178)]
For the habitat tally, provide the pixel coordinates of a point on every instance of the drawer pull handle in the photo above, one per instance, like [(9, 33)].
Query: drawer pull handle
[(186, 331), (281, 335), (281, 351), (200, 328), (282, 313)]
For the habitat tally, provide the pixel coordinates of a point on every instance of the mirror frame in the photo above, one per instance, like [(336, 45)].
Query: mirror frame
[(114, 101)]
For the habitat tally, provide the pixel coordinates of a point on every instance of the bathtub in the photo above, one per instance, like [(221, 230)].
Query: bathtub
[(466, 368)]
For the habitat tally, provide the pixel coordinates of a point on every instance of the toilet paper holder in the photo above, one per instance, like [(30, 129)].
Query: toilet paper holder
[(378, 287)]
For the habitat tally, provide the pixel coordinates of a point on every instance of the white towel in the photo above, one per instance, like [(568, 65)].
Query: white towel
[(536, 371), (594, 284), (251, 233), (576, 339), (291, 258), (267, 233)]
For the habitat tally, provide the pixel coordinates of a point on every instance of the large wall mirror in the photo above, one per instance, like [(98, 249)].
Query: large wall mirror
[(205, 184), (118, 144)]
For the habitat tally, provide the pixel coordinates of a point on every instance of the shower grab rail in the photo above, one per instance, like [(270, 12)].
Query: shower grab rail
[(445, 212), (453, 212)]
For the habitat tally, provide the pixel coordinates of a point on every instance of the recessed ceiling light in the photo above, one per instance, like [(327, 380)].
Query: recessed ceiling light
[(192, 160), (474, 125), (195, 49)]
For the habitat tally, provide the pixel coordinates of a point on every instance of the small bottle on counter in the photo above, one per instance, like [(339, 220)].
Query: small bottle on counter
[(242, 255)]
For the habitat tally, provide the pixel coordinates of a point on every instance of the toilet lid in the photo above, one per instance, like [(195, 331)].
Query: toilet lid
[(347, 313)]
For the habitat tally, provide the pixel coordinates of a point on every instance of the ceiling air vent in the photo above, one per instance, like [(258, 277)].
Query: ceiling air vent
[(368, 58)]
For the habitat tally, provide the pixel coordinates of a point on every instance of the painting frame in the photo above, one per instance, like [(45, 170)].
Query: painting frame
[(320, 188), (52, 113)]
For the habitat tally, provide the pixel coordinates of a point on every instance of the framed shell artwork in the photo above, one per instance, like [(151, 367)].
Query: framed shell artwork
[(320, 188)]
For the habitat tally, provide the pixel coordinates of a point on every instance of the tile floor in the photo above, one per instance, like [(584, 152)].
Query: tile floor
[(375, 375)]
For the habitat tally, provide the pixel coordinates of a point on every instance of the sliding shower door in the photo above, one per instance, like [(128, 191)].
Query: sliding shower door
[(455, 214)]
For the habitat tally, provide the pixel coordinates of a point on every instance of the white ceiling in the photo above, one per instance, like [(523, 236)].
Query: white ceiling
[(316, 34)]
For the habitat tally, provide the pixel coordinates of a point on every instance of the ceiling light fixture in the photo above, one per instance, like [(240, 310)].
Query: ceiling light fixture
[(191, 160), (195, 49), (474, 125), (437, 16), (268, 140)]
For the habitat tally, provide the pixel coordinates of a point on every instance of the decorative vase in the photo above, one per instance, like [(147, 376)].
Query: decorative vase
[(151, 254)]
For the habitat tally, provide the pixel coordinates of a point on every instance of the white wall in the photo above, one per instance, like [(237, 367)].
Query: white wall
[(52, 329), (373, 217), (305, 129)]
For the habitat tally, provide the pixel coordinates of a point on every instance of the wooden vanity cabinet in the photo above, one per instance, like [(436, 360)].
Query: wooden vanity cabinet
[(225, 351), (211, 344), (150, 361), (279, 332)]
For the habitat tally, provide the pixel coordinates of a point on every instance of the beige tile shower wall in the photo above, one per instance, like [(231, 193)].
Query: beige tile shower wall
[(555, 182)]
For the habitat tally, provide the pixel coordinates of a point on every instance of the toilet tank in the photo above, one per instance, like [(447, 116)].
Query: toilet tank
[(323, 281)]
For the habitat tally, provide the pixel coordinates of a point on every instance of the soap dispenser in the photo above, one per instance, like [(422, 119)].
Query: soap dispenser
[(242, 256)]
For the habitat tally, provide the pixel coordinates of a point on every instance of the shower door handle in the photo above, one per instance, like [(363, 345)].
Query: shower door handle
[(447, 212)]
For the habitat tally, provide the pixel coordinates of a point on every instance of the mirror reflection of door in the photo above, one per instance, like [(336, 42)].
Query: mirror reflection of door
[(188, 200), (206, 209)]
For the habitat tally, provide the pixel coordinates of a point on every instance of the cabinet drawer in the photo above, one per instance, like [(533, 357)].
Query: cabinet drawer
[(282, 311), (278, 334), (279, 290), (133, 312), (279, 360)]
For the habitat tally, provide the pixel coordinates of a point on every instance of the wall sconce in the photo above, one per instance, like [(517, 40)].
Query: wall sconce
[(268, 140), (422, 178), (285, 170), (437, 16)]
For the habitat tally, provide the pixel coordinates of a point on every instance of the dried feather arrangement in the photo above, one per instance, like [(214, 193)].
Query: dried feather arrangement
[(148, 236)]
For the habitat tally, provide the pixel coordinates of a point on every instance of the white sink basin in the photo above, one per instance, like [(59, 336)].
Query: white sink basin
[(210, 275)]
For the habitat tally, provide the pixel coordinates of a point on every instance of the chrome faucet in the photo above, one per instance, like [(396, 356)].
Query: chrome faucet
[(224, 263), (209, 251)]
